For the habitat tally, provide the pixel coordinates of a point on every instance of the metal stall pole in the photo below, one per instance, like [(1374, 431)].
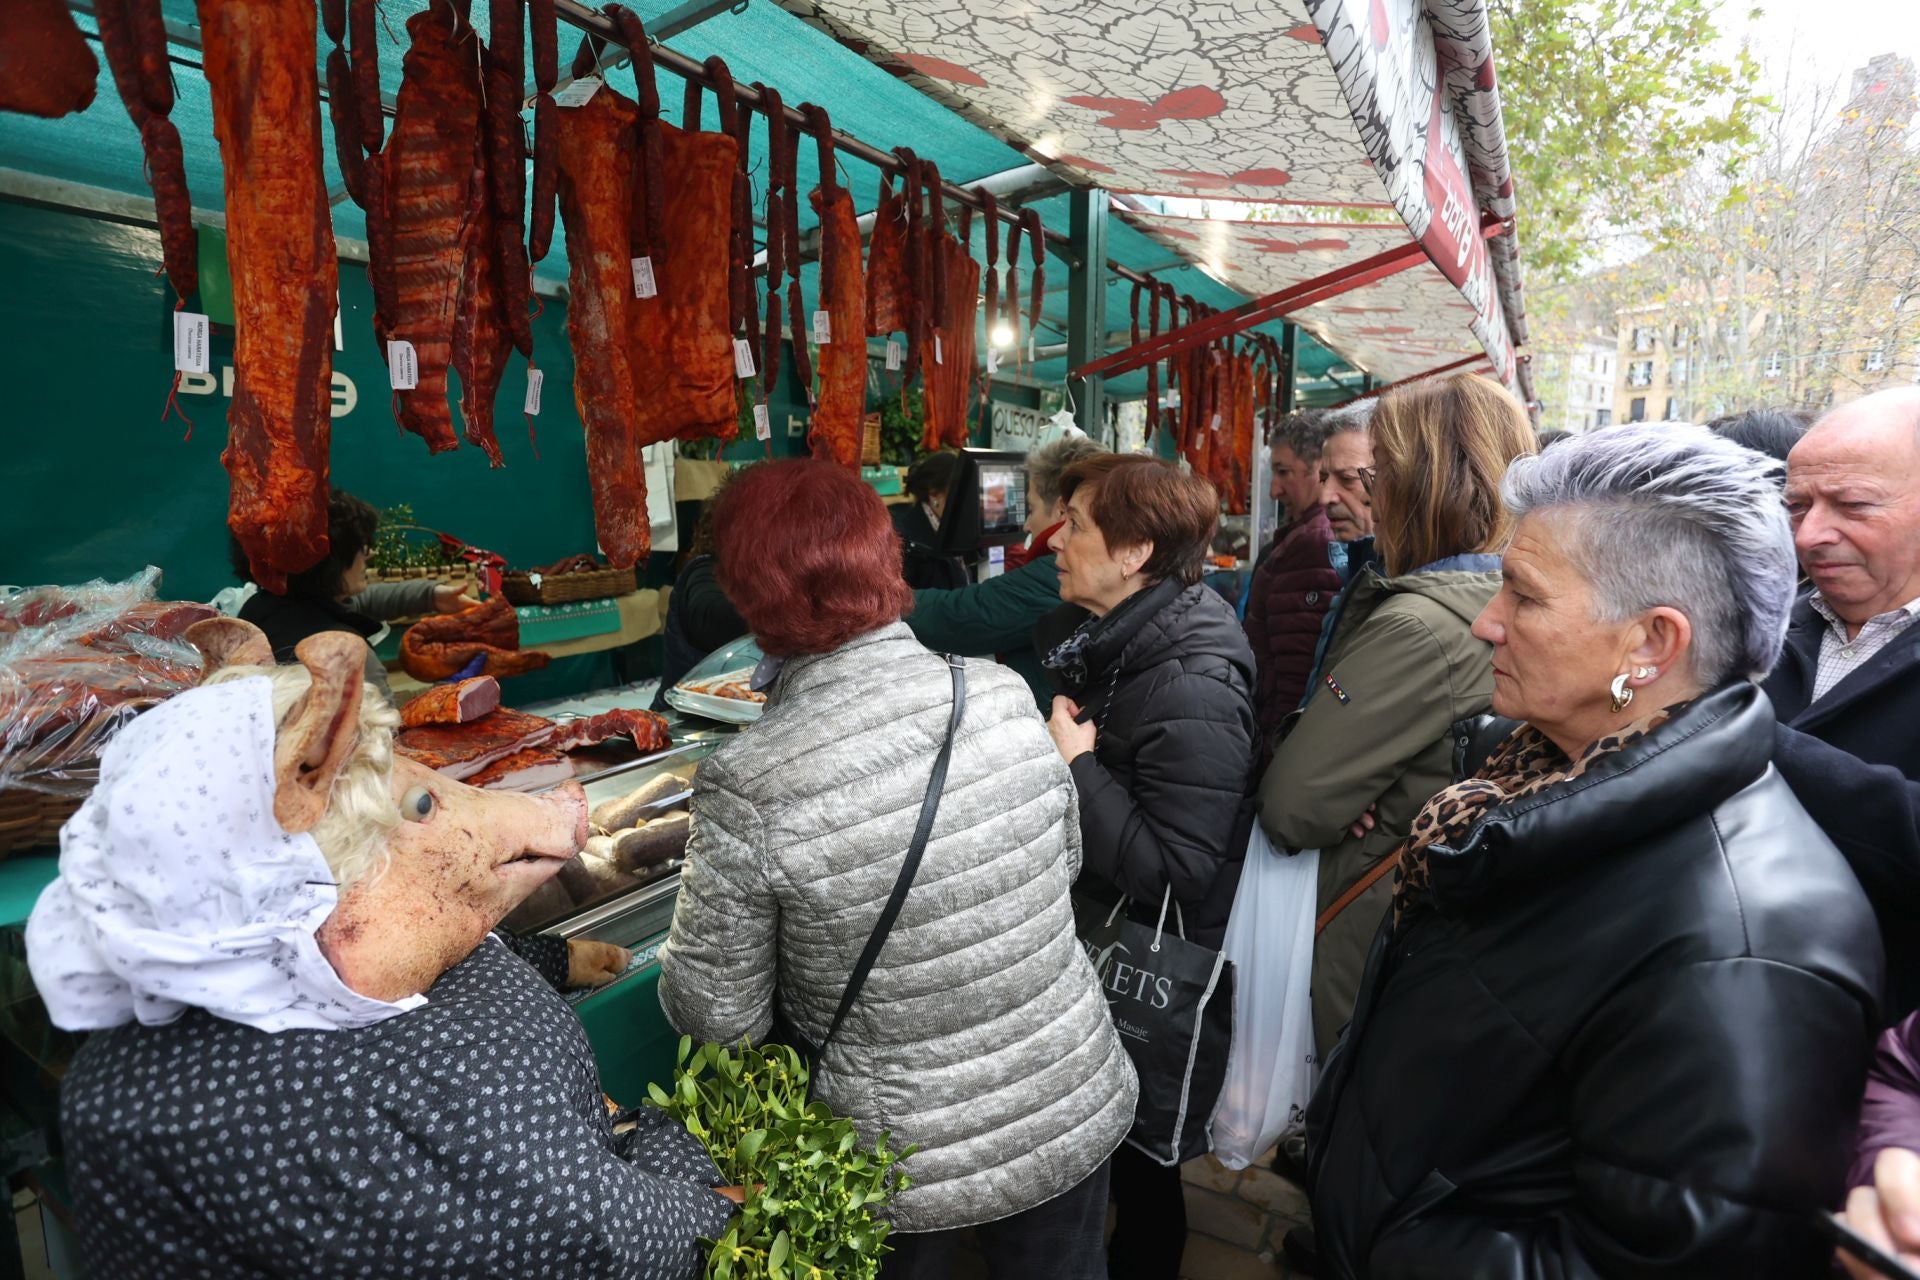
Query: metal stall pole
[(1087, 305), (1289, 346)]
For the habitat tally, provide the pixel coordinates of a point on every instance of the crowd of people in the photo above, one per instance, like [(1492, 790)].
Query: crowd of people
[(1606, 746)]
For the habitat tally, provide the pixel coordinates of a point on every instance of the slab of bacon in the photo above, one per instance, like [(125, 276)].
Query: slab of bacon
[(455, 703), (46, 68), (647, 729), (440, 648), (263, 81), (836, 429), (523, 771), (593, 157), (462, 750), (428, 170), (947, 354), (887, 285)]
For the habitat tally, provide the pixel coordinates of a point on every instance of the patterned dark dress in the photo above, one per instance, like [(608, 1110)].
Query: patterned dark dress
[(466, 1138)]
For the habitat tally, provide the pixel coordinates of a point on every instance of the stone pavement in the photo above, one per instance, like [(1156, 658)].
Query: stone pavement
[(1235, 1220)]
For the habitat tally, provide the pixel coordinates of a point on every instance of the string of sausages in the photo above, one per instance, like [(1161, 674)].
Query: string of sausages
[(777, 195), (544, 33), (507, 167)]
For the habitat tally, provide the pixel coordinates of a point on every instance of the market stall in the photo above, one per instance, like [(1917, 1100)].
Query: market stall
[(531, 295)]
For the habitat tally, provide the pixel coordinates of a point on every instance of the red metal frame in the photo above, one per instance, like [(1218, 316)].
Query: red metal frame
[(1293, 298), (1419, 377)]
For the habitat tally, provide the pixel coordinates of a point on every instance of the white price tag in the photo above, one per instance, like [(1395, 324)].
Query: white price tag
[(578, 93), (534, 379), (762, 427), (1030, 349), (822, 328), (403, 366), (643, 285), (896, 355), (993, 361), (1216, 424), (742, 358), (1170, 400), (938, 358), (190, 342)]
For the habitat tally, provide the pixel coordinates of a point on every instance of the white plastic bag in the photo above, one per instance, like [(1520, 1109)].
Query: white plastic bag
[(1269, 939)]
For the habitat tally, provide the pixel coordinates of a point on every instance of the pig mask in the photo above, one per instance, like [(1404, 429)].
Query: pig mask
[(255, 849)]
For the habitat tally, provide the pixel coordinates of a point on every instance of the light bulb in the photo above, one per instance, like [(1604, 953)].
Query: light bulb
[(1002, 335)]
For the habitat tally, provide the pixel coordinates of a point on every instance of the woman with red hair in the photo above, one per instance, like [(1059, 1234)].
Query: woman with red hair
[(980, 1034)]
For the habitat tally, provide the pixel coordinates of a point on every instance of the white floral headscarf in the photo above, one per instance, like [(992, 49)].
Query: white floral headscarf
[(178, 889)]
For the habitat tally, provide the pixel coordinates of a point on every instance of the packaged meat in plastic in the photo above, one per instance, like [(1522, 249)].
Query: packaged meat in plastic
[(720, 687), (77, 663)]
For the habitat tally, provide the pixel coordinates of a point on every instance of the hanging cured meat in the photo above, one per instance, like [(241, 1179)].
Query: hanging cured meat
[(1238, 433), (481, 337), (263, 83), (680, 340), (429, 165), (46, 68), (134, 36), (593, 162), (887, 302), (506, 153), (838, 413), (948, 353)]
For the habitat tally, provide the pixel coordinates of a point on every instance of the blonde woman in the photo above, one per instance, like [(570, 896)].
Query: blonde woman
[(1400, 665)]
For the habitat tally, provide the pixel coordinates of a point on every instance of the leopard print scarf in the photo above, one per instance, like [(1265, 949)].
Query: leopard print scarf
[(1525, 763)]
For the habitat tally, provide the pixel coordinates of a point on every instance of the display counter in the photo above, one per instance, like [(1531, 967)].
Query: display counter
[(632, 1040)]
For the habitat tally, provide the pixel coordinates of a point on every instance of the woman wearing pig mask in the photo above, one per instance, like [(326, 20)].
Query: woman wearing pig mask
[(311, 1058)]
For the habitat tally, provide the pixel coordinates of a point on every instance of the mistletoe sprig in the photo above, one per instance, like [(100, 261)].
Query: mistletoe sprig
[(811, 1213)]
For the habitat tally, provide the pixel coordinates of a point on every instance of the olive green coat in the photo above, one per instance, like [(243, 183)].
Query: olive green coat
[(1407, 667)]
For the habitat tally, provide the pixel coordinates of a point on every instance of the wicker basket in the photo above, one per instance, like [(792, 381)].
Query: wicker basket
[(32, 820), (567, 588)]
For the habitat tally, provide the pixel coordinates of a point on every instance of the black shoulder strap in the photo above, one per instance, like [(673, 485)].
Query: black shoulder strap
[(929, 807)]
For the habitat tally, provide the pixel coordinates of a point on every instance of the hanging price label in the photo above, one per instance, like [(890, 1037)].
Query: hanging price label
[(742, 358), (403, 366), (993, 361), (578, 93), (189, 342), (938, 357), (896, 356), (822, 328), (534, 379), (762, 428), (643, 285), (1030, 350), (1216, 424)]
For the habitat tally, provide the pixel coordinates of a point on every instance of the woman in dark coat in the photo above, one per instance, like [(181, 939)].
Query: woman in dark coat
[(334, 595), (1618, 1016), (700, 618), (1156, 721)]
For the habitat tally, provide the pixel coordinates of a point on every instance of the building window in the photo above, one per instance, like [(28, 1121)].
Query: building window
[(1669, 414), (1876, 360), (1637, 409), (1643, 337), (1679, 370), (1603, 417), (1640, 373), (1679, 337), (1775, 362)]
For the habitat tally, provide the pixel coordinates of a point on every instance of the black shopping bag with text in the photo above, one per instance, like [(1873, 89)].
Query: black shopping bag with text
[(1172, 1003)]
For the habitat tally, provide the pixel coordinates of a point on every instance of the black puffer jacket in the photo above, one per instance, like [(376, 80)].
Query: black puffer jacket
[(1629, 1039), (1165, 795)]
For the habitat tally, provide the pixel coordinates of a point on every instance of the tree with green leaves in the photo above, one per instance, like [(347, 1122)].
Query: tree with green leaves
[(1603, 101)]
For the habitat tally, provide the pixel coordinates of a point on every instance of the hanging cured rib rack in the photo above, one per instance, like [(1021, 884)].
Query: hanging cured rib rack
[(595, 24)]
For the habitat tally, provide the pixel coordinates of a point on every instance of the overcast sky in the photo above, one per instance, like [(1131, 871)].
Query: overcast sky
[(1826, 38)]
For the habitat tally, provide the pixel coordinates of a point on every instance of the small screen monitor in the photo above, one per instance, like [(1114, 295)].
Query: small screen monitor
[(986, 503)]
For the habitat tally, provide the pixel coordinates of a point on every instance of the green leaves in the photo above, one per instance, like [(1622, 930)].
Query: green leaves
[(812, 1188), (1602, 100)]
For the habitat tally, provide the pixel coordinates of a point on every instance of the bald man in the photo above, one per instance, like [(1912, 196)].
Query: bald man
[(1847, 689)]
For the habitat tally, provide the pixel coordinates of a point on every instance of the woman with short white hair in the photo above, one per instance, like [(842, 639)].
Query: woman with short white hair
[(1619, 1015)]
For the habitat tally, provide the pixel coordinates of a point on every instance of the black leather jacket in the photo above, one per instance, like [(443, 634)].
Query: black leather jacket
[(1630, 1039)]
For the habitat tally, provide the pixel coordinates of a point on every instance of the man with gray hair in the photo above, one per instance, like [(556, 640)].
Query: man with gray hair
[(1295, 582), (1847, 691)]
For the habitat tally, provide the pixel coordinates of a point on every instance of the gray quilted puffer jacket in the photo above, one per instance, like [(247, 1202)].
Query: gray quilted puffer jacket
[(982, 1034)]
